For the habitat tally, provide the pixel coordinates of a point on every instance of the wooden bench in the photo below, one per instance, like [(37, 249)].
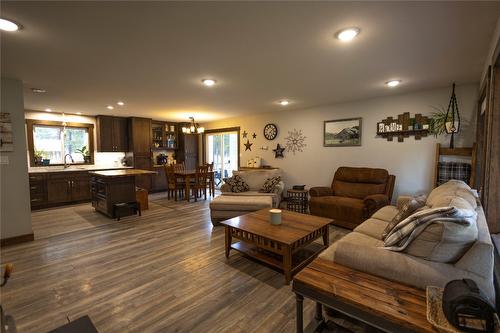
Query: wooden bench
[(386, 305)]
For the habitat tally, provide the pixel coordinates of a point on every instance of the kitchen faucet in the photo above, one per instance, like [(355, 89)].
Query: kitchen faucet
[(66, 165)]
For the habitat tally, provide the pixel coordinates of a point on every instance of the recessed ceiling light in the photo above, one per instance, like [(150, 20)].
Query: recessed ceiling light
[(7, 25), (110, 107), (348, 34), (48, 110), (393, 83), (38, 90), (78, 113), (120, 103), (284, 102), (208, 82)]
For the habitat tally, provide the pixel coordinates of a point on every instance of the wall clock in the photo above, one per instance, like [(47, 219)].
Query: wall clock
[(270, 131)]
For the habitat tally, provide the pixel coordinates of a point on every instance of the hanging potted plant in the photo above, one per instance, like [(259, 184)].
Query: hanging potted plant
[(438, 120), (85, 153)]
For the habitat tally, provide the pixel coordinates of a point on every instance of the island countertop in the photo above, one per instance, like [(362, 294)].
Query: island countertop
[(122, 173)]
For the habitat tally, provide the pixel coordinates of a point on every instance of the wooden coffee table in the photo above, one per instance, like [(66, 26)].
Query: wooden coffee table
[(288, 246)]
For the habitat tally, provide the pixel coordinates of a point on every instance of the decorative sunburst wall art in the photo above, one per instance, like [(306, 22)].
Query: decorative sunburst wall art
[(295, 141)]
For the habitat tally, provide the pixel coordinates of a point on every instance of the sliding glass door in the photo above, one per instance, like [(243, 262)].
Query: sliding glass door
[(221, 148)]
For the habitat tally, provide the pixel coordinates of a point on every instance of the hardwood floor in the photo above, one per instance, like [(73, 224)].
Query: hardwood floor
[(162, 272)]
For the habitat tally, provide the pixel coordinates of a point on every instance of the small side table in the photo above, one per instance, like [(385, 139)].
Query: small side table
[(297, 200)]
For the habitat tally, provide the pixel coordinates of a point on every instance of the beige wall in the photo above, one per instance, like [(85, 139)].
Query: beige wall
[(15, 217), (411, 161)]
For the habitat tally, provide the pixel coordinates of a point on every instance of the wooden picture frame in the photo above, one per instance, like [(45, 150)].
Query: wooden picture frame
[(342, 132)]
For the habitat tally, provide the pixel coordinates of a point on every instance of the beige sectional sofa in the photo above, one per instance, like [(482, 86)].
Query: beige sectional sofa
[(231, 204), (363, 248)]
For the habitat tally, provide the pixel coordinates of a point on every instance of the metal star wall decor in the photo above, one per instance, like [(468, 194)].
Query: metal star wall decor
[(248, 146), (254, 135), (278, 152), (245, 134), (295, 141)]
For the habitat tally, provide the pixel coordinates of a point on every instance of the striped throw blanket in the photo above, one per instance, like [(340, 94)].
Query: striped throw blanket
[(408, 229)]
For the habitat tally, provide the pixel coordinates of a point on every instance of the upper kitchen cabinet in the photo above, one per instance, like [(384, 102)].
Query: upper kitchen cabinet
[(164, 135), (140, 135), (112, 134)]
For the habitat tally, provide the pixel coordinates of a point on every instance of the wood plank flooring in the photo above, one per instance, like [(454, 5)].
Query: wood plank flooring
[(162, 272)]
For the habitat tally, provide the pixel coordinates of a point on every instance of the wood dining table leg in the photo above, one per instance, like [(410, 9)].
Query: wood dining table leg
[(188, 194)]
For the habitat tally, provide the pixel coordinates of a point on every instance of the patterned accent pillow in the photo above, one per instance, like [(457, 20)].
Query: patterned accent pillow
[(408, 208), (237, 184), (270, 184)]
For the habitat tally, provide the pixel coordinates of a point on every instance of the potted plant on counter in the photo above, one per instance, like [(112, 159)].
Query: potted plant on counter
[(85, 153), (38, 156)]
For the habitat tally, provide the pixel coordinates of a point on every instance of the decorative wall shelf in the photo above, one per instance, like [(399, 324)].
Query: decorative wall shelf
[(403, 127)]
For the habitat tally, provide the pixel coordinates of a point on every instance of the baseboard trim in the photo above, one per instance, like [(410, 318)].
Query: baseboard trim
[(17, 239)]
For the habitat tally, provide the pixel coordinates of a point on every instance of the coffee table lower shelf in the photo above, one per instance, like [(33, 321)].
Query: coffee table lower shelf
[(300, 258)]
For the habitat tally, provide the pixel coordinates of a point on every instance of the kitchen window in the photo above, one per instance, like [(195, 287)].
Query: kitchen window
[(49, 142)]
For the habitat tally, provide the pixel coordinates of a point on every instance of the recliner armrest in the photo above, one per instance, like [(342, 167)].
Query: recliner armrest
[(374, 202), (321, 191)]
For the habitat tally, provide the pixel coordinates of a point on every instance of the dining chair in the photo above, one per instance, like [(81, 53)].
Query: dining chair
[(179, 167), (174, 187), (210, 178), (200, 183)]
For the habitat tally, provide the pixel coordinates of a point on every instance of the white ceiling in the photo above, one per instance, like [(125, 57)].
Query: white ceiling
[(153, 55)]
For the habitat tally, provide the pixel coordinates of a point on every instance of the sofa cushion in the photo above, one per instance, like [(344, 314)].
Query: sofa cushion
[(386, 213), (443, 242), (342, 208), (408, 208), (372, 227), (276, 197), (443, 195), (270, 184), (256, 178), (237, 184), (240, 203), (365, 253)]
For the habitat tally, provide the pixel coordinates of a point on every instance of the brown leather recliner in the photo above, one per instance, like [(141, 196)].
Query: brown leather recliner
[(355, 194)]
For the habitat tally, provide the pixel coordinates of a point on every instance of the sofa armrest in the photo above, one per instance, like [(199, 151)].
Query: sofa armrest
[(374, 202), (225, 188), (279, 188), (402, 200), (321, 191)]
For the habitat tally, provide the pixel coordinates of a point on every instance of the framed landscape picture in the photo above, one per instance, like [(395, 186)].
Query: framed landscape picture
[(342, 132)]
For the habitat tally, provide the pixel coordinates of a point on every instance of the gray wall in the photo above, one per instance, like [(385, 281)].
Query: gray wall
[(15, 217), (411, 161)]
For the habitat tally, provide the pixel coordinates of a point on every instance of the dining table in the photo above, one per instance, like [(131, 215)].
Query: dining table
[(187, 175)]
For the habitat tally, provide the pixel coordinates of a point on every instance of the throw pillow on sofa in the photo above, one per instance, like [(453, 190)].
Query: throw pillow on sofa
[(237, 184), (270, 184), (408, 209)]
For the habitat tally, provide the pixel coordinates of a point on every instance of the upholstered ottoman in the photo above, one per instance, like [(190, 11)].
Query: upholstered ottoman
[(228, 206)]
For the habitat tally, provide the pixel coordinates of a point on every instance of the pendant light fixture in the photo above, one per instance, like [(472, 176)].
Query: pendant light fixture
[(452, 120), (194, 128)]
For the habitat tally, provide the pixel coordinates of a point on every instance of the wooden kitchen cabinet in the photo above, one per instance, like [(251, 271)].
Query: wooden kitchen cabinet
[(68, 187), (58, 190), (140, 149), (159, 181), (112, 134), (38, 190), (188, 150), (140, 135)]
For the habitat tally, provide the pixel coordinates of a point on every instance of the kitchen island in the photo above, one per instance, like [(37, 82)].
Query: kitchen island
[(110, 188)]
